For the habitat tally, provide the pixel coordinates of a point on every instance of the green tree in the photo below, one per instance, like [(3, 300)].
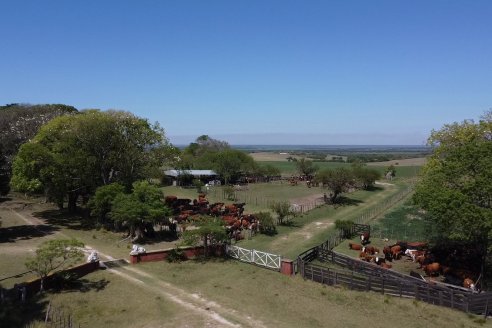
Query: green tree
[(140, 210), (209, 232), (101, 203), (283, 211), (4, 176), (364, 176), (54, 255), (456, 183), (73, 155), (337, 181), (390, 171), (266, 223), (305, 167)]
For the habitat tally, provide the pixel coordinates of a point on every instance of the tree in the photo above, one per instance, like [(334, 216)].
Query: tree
[(53, 255), (266, 223), (140, 210), (209, 232), (364, 176), (4, 176), (101, 203), (283, 211), (73, 155), (305, 167), (456, 183), (390, 172), (338, 181)]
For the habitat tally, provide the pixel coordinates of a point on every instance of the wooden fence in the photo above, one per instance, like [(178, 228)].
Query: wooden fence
[(55, 318)]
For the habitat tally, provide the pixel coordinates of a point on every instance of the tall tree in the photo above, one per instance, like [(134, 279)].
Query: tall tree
[(209, 232), (73, 155), (140, 210), (456, 183), (4, 176), (305, 167), (338, 181), (19, 123)]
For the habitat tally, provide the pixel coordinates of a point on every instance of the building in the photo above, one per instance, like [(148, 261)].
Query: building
[(185, 177)]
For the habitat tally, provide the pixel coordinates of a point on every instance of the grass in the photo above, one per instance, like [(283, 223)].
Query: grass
[(269, 298), (289, 168), (312, 228)]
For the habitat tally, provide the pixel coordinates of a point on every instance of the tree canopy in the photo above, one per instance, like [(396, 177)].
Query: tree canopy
[(338, 181), (208, 153), (305, 167), (73, 155), (140, 210), (54, 255), (456, 183)]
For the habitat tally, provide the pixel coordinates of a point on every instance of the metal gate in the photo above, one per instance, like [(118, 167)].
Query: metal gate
[(264, 259)]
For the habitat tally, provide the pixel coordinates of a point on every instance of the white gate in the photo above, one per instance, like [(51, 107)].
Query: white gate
[(268, 260)]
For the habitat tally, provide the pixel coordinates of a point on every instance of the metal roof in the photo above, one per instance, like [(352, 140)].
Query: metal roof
[(175, 173)]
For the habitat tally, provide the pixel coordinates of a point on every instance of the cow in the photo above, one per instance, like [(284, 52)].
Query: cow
[(469, 283), (364, 237), (432, 269), (355, 247), (379, 260), (413, 253), (370, 250), (385, 265), (387, 253), (396, 252)]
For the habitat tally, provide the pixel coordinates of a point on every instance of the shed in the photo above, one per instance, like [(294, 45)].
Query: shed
[(197, 174)]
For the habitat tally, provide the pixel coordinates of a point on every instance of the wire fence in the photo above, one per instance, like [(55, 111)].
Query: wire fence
[(55, 318)]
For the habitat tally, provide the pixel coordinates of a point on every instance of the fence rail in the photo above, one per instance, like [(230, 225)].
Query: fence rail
[(268, 260)]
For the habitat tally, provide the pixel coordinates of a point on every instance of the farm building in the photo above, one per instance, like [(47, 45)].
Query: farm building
[(185, 177)]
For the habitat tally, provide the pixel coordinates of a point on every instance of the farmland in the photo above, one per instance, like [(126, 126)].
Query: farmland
[(201, 296)]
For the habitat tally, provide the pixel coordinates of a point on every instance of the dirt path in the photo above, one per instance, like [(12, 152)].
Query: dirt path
[(215, 315), (307, 232)]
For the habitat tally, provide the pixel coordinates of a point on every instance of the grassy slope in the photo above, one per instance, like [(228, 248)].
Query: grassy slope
[(271, 298)]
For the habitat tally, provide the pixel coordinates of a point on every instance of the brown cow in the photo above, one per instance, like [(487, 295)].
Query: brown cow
[(385, 265), (355, 247), (432, 269), (364, 237), (370, 249), (468, 283), (396, 252)]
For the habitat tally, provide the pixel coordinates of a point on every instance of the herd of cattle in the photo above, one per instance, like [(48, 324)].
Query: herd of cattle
[(433, 263), (186, 211)]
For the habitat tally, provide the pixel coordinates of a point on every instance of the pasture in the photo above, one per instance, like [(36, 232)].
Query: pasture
[(242, 294)]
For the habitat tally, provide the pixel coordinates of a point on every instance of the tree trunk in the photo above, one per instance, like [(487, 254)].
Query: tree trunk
[(72, 201), (138, 234)]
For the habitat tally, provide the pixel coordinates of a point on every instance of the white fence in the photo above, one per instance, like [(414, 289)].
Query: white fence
[(268, 260)]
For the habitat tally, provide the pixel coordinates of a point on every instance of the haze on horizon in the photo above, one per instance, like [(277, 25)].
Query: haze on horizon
[(277, 72)]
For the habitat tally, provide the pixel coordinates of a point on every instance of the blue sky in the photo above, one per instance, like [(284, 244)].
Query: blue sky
[(262, 72)]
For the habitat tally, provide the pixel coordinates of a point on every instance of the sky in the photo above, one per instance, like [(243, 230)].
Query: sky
[(257, 72)]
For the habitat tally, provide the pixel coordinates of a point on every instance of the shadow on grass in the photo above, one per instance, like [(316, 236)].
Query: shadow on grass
[(374, 188), (80, 285), (75, 221), (14, 313), (345, 201), (5, 199), (25, 232), (160, 236)]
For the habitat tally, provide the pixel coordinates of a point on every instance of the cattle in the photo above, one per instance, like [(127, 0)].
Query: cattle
[(385, 265), (432, 269), (387, 253), (469, 283), (413, 253), (370, 250), (356, 247), (396, 252), (379, 260), (364, 237)]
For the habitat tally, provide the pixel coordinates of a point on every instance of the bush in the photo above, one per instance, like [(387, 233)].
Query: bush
[(175, 255), (346, 227), (267, 223)]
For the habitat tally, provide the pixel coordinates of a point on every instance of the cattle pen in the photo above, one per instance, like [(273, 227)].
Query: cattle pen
[(363, 276)]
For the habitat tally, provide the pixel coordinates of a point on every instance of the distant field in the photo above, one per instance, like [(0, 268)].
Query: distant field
[(281, 156), (420, 161)]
